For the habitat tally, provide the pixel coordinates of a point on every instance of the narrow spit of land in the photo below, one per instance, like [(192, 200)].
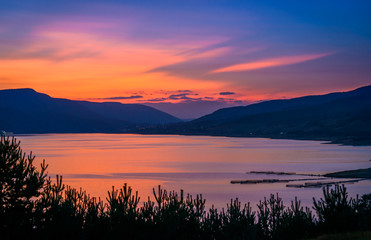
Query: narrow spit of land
[(358, 173), (320, 181)]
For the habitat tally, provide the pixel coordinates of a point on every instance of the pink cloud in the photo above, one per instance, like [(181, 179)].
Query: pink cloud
[(270, 62)]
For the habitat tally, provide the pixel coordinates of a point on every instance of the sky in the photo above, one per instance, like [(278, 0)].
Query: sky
[(188, 58)]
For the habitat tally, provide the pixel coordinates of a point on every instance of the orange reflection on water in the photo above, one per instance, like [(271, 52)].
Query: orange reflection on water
[(197, 164)]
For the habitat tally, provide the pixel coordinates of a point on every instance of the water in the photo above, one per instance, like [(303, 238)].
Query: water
[(197, 164)]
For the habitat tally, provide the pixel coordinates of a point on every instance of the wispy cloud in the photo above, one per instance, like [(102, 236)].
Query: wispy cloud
[(185, 91), (156, 100), (52, 54), (207, 53), (182, 96), (227, 93), (120, 98), (270, 62)]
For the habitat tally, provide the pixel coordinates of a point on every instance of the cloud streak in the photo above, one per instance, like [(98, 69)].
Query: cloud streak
[(124, 98), (270, 62), (182, 96), (119, 98), (227, 93)]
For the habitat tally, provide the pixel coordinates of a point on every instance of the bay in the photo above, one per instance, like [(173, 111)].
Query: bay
[(197, 164)]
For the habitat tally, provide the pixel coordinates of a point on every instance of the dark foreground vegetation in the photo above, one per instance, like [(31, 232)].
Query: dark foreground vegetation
[(34, 207)]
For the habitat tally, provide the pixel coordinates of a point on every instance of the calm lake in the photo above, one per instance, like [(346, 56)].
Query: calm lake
[(197, 164)]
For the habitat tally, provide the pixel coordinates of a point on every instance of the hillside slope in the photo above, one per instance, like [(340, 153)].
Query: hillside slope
[(338, 117), (27, 111)]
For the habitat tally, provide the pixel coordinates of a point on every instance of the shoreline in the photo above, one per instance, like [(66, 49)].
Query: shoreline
[(364, 173), (337, 141)]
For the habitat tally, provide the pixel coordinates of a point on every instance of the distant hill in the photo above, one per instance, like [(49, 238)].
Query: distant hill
[(343, 117), (27, 111)]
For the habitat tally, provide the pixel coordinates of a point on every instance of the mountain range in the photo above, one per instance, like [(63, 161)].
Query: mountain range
[(341, 117), (27, 111)]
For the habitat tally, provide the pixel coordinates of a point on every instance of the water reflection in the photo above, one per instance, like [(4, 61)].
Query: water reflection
[(196, 164)]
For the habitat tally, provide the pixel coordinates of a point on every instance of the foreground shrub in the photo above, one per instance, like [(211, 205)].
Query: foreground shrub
[(237, 222), (21, 186), (336, 212), (364, 212), (276, 221)]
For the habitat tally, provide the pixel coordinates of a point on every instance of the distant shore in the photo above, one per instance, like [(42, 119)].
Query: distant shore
[(347, 141), (149, 131), (358, 173)]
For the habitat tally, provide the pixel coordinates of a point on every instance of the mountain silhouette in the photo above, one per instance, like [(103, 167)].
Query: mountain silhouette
[(343, 117), (27, 111)]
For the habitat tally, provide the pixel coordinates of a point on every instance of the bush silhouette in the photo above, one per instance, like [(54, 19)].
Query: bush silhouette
[(335, 211), (21, 185)]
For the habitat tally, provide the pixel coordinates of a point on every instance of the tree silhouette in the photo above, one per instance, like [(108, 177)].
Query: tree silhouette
[(21, 186)]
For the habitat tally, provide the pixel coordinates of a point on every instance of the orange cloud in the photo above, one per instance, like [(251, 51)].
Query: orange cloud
[(78, 64), (271, 62)]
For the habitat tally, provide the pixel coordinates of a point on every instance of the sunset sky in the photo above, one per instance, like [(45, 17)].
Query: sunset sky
[(186, 57)]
